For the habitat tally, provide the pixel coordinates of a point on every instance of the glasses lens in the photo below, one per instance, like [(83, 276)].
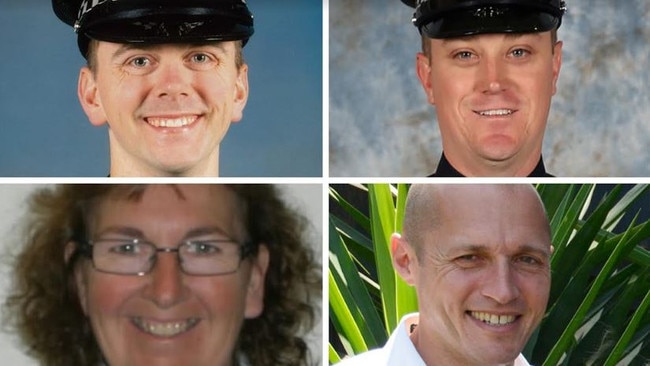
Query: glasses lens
[(123, 256), (209, 257)]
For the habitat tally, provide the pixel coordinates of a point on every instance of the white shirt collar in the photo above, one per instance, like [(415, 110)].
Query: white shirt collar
[(400, 350)]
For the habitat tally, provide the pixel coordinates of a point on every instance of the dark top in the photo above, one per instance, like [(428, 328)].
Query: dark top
[(446, 170)]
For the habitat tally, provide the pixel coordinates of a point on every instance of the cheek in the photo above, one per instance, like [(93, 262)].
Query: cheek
[(450, 85), (535, 289), (217, 89), (121, 94), (537, 84), (220, 295), (107, 296), (454, 285)]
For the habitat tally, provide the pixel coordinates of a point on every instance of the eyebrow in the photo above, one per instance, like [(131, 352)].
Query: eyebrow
[(201, 231), (509, 36), (139, 234), (524, 248), (126, 47), (121, 230)]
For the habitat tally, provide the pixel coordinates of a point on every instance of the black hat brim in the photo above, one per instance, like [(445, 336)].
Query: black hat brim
[(507, 19)]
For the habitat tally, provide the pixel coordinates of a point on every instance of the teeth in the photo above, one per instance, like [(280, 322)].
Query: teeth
[(493, 319), (496, 112), (164, 329), (171, 122)]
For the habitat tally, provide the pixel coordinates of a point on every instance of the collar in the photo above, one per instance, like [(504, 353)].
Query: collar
[(399, 350), (445, 169)]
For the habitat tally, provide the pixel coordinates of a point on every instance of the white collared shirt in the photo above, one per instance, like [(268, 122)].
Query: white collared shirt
[(399, 350)]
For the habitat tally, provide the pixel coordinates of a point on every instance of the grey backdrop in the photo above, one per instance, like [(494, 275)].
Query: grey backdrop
[(44, 131), (306, 198), (382, 125)]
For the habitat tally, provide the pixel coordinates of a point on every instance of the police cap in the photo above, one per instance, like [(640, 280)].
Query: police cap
[(156, 21), (457, 18)]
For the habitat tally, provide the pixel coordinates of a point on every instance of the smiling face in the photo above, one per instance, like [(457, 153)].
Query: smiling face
[(167, 317), (492, 94), (481, 273), (167, 106)]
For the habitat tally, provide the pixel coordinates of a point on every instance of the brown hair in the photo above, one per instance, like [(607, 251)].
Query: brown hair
[(43, 305)]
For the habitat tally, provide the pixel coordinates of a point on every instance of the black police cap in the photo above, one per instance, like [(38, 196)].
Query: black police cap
[(156, 21), (457, 18)]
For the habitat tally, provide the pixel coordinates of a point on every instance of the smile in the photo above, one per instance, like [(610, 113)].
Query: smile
[(495, 112), (164, 329), (492, 319), (171, 122)]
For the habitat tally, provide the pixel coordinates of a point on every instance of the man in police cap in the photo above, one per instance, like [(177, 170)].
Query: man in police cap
[(166, 75), (490, 68)]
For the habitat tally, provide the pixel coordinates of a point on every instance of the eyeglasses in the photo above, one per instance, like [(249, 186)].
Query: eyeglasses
[(137, 256)]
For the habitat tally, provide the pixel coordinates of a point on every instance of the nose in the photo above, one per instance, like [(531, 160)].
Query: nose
[(500, 284), (166, 287), (173, 81), (493, 75)]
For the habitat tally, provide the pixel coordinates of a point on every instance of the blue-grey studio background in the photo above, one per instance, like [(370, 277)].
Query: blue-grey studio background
[(381, 124), (44, 131)]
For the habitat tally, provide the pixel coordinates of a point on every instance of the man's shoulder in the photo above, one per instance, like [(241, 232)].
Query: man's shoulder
[(373, 357)]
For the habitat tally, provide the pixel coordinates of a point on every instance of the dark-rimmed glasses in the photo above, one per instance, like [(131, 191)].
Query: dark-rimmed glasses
[(138, 256)]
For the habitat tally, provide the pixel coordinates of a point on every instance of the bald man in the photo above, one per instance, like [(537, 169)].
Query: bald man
[(479, 258)]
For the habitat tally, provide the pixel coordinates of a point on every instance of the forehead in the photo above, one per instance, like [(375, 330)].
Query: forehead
[(495, 217), (493, 38), (180, 206), (109, 49)]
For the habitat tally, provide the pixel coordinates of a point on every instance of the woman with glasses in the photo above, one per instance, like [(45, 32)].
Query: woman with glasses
[(163, 275)]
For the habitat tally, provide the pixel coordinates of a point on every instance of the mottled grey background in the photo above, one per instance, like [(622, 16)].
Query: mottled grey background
[(382, 125)]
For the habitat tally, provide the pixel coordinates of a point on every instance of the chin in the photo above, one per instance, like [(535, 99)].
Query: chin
[(502, 150), (175, 167), (498, 356)]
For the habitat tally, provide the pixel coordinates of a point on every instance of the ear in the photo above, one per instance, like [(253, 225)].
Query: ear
[(240, 93), (404, 259), (557, 63), (423, 68), (89, 97), (255, 291), (80, 279)]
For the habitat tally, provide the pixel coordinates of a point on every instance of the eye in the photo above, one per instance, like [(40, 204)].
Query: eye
[(205, 248), (125, 248), (527, 259), (468, 260), (140, 62), (200, 58), (464, 55), (519, 53), (468, 257)]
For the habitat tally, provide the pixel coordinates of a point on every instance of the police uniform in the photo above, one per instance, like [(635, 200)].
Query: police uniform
[(156, 21), (445, 169), (443, 19)]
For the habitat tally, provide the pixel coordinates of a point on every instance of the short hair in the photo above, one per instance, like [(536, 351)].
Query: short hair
[(43, 305), (426, 43), (91, 55)]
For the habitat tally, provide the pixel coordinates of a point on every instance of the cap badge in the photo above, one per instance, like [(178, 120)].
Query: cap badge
[(489, 12)]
